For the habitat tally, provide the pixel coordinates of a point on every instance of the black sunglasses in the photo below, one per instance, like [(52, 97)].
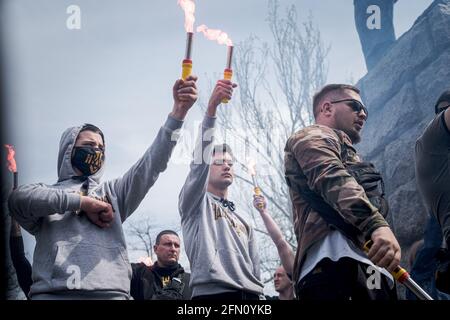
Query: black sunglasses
[(356, 105)]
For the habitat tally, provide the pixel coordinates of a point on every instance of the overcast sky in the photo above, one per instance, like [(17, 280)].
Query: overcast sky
[(117, 72)]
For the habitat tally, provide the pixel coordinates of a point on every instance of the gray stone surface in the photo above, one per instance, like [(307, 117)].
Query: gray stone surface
[(400, 93)]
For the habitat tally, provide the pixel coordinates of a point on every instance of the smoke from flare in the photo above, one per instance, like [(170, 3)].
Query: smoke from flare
[(11, 161), (188, 7), (251, 164), (215, 34)]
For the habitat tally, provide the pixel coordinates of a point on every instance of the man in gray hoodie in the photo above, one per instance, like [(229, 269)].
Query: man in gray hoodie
[(219, 243), (77, 222)]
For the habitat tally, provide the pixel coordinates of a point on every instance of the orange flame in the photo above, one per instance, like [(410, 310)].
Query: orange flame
[(11, 161), (215, 34), (188, 7), (251, 164)]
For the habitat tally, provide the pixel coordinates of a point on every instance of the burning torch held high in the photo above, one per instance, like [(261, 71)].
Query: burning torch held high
[(251, 164), (222, 38), (188, 7), (12, 164)]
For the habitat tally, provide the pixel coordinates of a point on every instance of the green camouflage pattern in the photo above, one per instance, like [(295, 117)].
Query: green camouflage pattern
[(315, 158)]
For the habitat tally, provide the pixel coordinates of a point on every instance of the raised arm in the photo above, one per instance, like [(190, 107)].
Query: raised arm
[(284, 249), (194, 189)]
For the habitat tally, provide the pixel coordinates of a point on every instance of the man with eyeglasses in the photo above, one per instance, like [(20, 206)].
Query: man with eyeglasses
[(433, 177), (219, 243), (335, 210)]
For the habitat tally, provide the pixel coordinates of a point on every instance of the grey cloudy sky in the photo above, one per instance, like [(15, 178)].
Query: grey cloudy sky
[(117, 72)]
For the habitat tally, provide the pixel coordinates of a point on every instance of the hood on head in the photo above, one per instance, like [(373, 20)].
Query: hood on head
[(66, 144)]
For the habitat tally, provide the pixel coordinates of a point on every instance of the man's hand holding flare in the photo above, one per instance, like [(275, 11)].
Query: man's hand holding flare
[(184, 96), (222, 90), (385, 251), (260, 203)]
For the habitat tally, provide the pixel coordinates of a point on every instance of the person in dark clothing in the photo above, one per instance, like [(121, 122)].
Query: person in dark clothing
[(20, 262), (166, 278), (433, 176), (424, 266)]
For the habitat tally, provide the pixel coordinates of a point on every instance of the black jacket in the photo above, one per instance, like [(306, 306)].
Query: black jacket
[(20, 263), (147, 283)]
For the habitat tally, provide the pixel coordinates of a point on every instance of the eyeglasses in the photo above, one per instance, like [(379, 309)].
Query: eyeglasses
[(356, 105), (219, 162), (443, 109)]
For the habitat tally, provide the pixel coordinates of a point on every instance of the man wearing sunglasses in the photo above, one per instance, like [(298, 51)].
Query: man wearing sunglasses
[(334, 211), (433, 176)]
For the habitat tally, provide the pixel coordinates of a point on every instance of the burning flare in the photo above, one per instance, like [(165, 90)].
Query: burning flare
[(189, 10), (188, 7), (222, 38), (11, 161), (251, 164), (215, 34)]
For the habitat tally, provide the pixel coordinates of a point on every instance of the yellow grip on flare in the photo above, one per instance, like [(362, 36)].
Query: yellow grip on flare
[(227, 75), (400, 274), (187, 69), (257, 192)]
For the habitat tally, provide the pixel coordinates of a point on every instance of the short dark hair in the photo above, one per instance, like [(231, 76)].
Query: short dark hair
[(338, 87), (222, 148), (444, 97), (164, 232), (91, 127)]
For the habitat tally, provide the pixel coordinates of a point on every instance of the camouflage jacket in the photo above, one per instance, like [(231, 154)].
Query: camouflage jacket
[(314, 159)]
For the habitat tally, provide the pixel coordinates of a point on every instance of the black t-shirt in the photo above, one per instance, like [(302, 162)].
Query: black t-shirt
[(433, 170)]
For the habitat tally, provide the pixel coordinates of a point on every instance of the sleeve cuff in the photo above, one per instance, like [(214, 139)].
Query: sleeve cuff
[(172, 123), (209, 122), (73, 202), (372, 227)]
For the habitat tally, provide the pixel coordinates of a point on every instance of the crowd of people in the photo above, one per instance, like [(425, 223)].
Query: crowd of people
[(338, 205)]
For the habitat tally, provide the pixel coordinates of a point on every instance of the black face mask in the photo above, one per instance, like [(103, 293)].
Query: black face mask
[(88, 159)]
